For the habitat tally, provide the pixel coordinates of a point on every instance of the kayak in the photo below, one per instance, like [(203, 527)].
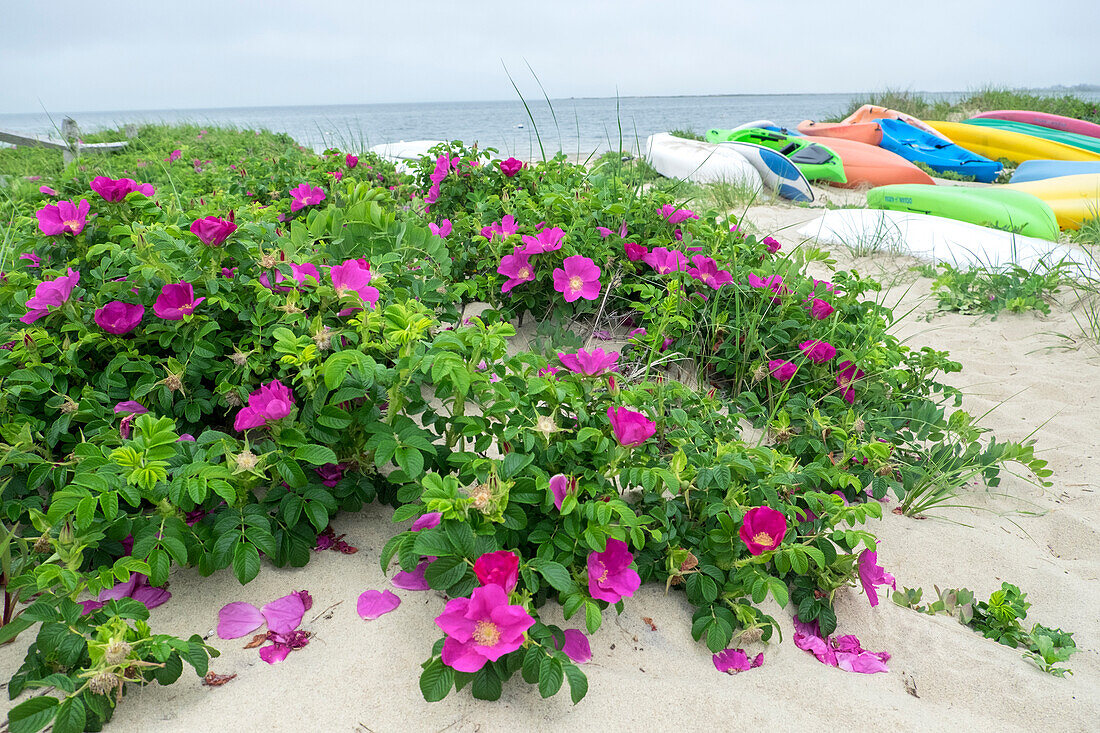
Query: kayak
[(691, 160), (940, 240), (996, 208), (874, 166), (913, 143), (1059, 136), (1012, 146), (778, 173), (860, 132), (1074, 199), (1037, 170), (1044, 119), (815, 160), (872, 112)]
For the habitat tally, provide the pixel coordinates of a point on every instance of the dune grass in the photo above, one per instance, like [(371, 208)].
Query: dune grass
[(979, 100)]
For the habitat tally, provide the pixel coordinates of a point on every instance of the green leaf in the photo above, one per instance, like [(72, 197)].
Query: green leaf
[(531, 661), (445, 572), (246, 561), (436, 681), (578, 682), (315, 455), (551, 676), (461, 538), (593, 617), (197, 655), (486, 684), (779, 591), (556, 575), (33, 715), (158, 567)]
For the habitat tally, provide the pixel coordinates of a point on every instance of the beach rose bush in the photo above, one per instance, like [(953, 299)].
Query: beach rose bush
[(209, 378)]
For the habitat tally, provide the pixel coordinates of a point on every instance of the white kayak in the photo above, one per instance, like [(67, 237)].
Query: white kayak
[(404, 152), (940, 240), (778, 173), (691, 160)]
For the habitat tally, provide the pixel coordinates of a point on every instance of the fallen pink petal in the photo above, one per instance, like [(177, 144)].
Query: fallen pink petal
[(237, 619), (374, 603)]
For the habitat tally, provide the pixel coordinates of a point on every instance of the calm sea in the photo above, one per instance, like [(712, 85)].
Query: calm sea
[(577, 126)]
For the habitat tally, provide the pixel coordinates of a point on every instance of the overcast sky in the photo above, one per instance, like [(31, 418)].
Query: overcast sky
[(170, 54)]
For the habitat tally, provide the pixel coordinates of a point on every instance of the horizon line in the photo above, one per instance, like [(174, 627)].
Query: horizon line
[(1058, 87)]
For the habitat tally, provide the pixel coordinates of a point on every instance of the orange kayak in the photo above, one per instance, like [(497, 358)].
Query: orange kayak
[(874, 166), (868, 133), (871, 112)]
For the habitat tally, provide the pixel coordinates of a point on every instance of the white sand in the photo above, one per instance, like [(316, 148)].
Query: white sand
[(362, 676)]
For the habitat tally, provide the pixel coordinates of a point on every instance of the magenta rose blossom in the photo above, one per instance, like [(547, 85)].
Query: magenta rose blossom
[(504, 228), (305, 195), (610, 577), (548, 240), (175, 301), (510, 167), (427, 521), (578, 277), (782, 369), (590, 363), (118, 318), (666, 261), (848, 374), (354, 276), (818, 351), (762, 529), (706, 271), (351, 160), (630, 428), (517, 268), (820, 310), (272, 401), (115, 191), (441, 230), (51, 293), (481, 628), (64, 217), (675, 216), (871, 575), (500, 567), (635, 252), (772, 244), (562, 486), (213, 231)]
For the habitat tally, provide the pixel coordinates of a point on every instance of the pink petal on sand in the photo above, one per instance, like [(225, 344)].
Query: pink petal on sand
[(150, 596), (412, 581), (237, 619), (284, 614), (576, 646), (375, 603), (274, 653)]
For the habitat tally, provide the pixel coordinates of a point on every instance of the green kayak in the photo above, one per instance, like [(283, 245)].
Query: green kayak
[(816, 161), (1084, 142), (988, 207)]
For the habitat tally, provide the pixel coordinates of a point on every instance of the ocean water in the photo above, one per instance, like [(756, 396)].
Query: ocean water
[(579, 127)]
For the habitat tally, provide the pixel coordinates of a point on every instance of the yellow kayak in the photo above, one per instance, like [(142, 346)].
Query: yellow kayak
[(1074, 199), (1013, 146)]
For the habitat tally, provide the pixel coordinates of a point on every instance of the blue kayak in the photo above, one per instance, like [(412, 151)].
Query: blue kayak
[(918, 146), (1038, 170)]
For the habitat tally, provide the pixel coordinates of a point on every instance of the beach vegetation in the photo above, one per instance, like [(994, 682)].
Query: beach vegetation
[(208, 370)]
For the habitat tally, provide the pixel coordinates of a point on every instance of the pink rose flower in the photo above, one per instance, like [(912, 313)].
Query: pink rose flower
[(175, 301), (706, 271), (354, 276), (635, 252), (762, 529), (818, 351), (590, 363), (500, 567), (50, 294), (578, 277), (64, 217), (305, 195), (666, 261), (562, 486), (119, 318), (871, 575), (820, 309), (481, 628), (547, 240), (848, 373), (213, 231), (115, 191), (351, 160), (517, 268), (631, 428), (782, 369), (610, 577), (272, 401), (510, 167)]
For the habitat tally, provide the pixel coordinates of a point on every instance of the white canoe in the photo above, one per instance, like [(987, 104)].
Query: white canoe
[(691, 160), (778, 173), (404, 152), (938, 239)]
